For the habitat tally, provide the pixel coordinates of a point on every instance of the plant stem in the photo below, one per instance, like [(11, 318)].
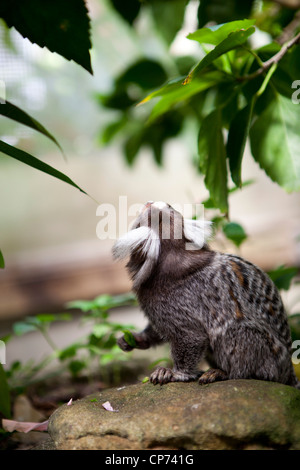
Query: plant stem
[(273, 60)]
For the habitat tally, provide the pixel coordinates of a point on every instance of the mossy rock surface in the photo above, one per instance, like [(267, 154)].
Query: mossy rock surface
[(236, 414)]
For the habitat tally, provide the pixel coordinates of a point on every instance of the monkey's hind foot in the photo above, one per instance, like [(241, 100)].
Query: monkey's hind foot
[(163, 375), (212, 375)]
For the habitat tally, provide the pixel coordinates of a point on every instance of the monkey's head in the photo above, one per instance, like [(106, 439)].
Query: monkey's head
[(160, 233)]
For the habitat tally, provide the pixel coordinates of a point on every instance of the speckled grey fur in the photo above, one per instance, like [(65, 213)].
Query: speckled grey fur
[(210, 305)]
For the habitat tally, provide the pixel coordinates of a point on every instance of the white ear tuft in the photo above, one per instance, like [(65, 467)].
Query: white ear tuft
[(197, 231), (142, 237), (126, 244)]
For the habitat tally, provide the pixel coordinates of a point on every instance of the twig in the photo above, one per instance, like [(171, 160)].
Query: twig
[(289, 30), (273, 60), (292, 4)]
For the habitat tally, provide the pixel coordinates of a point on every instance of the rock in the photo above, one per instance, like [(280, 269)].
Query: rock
[(236, 414)]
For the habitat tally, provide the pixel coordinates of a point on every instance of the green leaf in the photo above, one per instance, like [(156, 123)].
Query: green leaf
[(13, 112), (68, 352), (174, 93), (216, 34), (282, 276), (2, 262), (234, 40), (56, 24), (4, 394), (236, 142), (129, 338), (145, 73), (235, 233), (212, 159), (168, 17), (22, 327), (76, 366), (34, 162), (275, 142), (100, 330)]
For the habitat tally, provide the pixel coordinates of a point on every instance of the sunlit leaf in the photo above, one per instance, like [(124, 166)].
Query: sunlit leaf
[(234, 40), (216, 34), (275, 142)]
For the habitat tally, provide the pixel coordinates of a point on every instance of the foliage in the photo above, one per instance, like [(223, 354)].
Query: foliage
[(61, 29), (64, 30), (233, 94), (98, 347), (52, 24)]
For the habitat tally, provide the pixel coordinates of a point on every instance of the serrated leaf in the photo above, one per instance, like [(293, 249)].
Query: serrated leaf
[(235, 233), (2, 262), (59, 25), (236, 142), (217, 33), (275, 142), (234, 40), (13, 112), (34, 162), (212, 159)]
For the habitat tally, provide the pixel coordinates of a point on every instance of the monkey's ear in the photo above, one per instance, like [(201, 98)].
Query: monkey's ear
[(197, 231), (142, 238)]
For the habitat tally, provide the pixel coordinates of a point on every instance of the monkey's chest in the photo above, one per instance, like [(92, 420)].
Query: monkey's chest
[(172, 313)]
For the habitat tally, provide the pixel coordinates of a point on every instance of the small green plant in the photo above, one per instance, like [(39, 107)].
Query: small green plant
[(96, 349)]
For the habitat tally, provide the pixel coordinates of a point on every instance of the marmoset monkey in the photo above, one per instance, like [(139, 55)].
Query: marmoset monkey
[(206, 304)]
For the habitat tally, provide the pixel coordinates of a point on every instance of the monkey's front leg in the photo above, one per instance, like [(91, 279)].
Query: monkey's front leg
[(144, 339), (186, 357)]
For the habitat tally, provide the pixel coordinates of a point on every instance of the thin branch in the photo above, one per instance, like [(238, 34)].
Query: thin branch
[(292, 4), (273, 60), (289, 30)]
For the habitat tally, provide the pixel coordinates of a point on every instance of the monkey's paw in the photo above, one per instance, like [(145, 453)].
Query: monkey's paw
[(124, 345), (162, 375), (212, 375)]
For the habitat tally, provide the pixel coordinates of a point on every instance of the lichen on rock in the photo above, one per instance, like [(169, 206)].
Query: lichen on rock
[(235, 414)]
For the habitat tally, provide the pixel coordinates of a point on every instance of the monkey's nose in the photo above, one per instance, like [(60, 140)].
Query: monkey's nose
[(146, 205)]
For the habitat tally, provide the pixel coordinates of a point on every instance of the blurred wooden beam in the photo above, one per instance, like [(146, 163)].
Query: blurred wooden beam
[(28, 290)]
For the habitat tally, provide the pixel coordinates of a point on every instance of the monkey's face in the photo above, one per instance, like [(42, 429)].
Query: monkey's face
[(163, 220), (158, 230), (160, 224)]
